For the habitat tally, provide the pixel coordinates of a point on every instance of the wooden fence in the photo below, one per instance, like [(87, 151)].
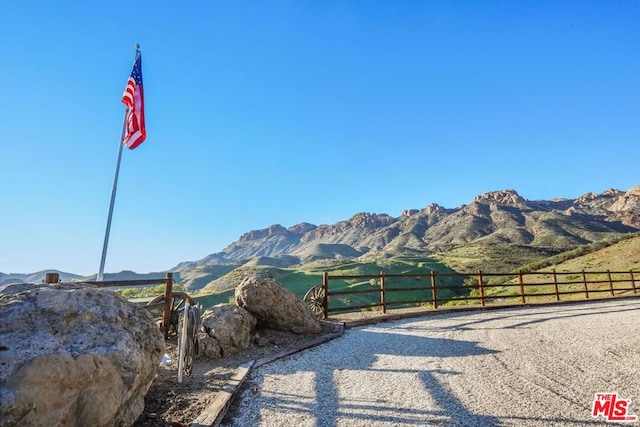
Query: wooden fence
[(477, 288), (166, 302)]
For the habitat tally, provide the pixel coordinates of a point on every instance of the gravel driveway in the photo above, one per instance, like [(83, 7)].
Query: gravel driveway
[(535, 366)]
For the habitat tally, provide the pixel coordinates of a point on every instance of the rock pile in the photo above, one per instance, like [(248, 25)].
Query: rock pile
[(262, 302), (225, 330), (72, 354), (275, 307)]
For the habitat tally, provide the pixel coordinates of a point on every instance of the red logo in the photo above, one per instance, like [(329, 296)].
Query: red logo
[(613, 408)]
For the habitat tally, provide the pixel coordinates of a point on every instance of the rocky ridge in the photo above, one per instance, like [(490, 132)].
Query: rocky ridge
[(501, 216)]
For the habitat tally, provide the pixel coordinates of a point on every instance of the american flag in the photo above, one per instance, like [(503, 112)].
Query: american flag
[(133, 97)]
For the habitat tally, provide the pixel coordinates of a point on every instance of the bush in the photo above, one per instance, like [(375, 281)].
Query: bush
[(146, 291)]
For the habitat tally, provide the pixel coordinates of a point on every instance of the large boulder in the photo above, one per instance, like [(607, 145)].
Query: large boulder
[(225, 330), (72, 354), (275, 307)]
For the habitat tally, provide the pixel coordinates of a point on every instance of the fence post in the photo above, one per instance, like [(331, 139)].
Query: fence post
[(325, 300), (633, 282), (586, 287), (555, 285), (610, 283), (166, 311), (383, 295), (434, 295), (481, 288), (521, 287), (50, 278)]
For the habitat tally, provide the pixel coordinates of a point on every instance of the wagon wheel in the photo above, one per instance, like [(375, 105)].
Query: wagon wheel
[(188, 347), (315, 299), (156, 305)]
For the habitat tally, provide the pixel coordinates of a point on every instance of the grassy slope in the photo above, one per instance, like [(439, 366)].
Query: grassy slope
[(493, 257), (621, 256), (300, 280)]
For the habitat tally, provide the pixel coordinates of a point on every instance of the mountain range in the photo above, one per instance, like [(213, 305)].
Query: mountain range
[(502, 217), (498, 230)]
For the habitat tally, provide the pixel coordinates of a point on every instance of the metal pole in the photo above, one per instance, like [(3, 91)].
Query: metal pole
[(113, 200)]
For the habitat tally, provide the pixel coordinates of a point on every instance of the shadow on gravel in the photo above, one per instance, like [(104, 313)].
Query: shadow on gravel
[(449, 411), (529, 317), (454, 410), (373, 358), (559, 312), (331, 406)]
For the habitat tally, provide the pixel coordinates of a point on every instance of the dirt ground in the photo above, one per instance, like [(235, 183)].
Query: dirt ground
[(169, 403)]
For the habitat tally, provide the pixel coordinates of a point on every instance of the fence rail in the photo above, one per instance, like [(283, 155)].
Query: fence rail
[(167, 300), (167, 295), (437, 289)]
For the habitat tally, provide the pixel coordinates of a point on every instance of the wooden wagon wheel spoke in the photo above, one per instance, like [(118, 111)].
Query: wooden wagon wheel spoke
[(177, 308), (179, 305), (315, 299)]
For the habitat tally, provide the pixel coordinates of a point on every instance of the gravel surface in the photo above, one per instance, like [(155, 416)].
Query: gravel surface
[(535, 366)]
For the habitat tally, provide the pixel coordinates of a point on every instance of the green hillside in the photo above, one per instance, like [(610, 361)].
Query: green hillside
[(620, 258), (623, 255), (495, 257), (300, 280)]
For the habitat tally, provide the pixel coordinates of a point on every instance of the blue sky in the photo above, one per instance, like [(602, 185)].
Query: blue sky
[(290, 111)]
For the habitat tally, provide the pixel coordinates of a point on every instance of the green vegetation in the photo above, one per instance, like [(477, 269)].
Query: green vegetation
[(233, 278), (144, 291), (210, 300), (299, 281), (620, 254), (579, 252), (493, 257)]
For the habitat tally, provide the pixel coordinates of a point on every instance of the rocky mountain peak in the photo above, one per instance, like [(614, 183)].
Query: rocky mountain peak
[(586, 198), (634, 191), (433, 209), (504, 197), (273, 230), (611, 192), (301, 228), (627, 202), (409, 212), (369, 220)]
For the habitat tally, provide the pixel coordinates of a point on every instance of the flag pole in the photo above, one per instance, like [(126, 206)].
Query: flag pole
[(113, 192), (113, 200)]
